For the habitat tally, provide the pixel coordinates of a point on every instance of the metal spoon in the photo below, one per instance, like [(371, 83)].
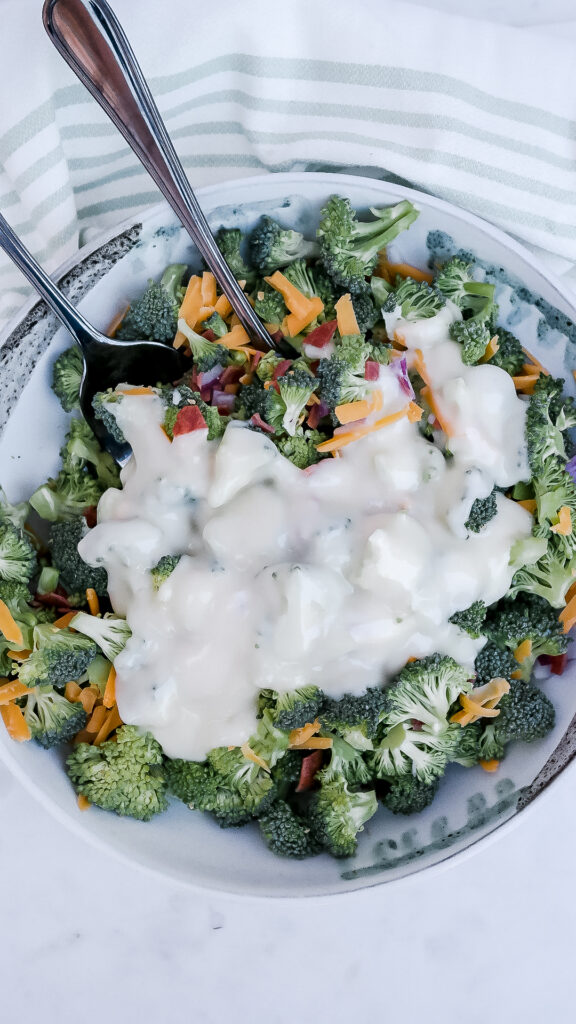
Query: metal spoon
[(106, 362), (90, 38)]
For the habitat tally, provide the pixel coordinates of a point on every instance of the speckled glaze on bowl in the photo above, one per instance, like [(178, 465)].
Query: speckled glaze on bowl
[(181, 844)]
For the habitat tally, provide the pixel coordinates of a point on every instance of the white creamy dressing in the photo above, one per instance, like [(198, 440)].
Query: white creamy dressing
[(333, 576)]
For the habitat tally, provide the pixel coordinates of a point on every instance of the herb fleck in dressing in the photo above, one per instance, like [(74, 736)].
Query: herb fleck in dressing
[(334, 576)]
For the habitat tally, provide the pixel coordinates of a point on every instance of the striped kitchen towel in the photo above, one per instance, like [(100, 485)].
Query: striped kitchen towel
[(479, 114)]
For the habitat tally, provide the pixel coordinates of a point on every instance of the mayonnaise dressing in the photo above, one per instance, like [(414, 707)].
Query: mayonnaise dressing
[(333, 576)]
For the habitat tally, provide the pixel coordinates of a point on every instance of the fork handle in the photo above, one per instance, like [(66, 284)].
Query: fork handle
[(79, 328), (90, 38)]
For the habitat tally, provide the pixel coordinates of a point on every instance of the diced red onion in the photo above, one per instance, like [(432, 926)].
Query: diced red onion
[(400, 369), (372, 370), (223, 401), (208, 377)]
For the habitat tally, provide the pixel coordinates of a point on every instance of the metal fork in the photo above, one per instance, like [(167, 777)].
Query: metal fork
[(90, 38), (106, 362)]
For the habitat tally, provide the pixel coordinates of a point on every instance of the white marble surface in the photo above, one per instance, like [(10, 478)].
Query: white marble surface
[(490, 939)]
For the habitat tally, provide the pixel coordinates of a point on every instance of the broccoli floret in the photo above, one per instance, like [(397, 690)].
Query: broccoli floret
[(269, 305), (482, 511), (286, 834), (67, 377), (312, 282), (365, 310), (301, 449), (549, 414), (527, 617), (296, 386), (103, 405), (473, 336), (349, 248), (154, 315), (16, 515), (286, 773), (478, 742), (509, 356), (424, 692), (553, 488), (250, 781), (471, 619), (336, 815), (267, 365), (122, 775), (264, 402), (406, 750), (415, 300), (163, 569), (82, 453), (110, 632), (59, 656), (16, 596), (494, 662), (407, 795), (526, 714), (346, 762), (205, 353), (337, 383), (70, 494), (75, 573), (550, 577), (355, 718), (17, 556), (297, 707), (455, 282), (272, 246), (51, 718), (229, 241), (199, 786), (216, 324)]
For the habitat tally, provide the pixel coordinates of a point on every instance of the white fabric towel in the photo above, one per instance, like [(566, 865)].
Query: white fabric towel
[(478, 113)]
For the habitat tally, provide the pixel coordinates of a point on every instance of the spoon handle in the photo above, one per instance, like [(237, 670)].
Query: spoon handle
[(79, 328), (90, 38)]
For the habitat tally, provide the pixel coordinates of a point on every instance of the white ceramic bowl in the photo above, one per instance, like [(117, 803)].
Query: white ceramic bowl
[(101, 279)]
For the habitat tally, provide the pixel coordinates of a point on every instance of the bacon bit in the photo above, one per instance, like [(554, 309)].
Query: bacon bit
[(11, 690), (314, 416), (371, 370), (231, 375), (189, 418), (523, 651), (251, 755), (482, 703), (19, 655), (54, 599), (72, 692), (530, 504), (257, 421), (525, 384), (115, 323), (299, 736), (490, 766), (83, 803), (567, 616), (91, 516), (281, 369), (110, 723), (564, 524), (536, 363), (93, 602), (15, 723), (311, 764), (556, 662), (322, 335), (109, 698), (9, 627), (490, 350)]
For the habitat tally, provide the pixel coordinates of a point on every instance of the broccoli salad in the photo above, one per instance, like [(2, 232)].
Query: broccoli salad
[(324, 574)]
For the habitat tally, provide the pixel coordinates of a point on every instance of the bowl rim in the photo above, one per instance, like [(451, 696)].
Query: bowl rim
[(249, 184)]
